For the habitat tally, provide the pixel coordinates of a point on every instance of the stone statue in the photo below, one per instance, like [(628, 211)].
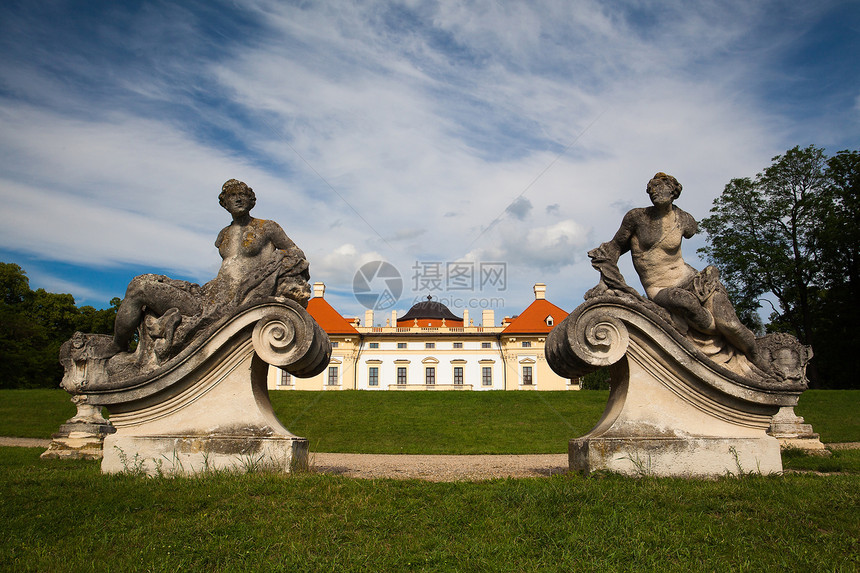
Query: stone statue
[(697, 302), (693, 391), (193, 390), (259, 260)]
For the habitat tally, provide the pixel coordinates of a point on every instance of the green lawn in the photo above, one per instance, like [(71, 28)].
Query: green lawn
[(439, 422), (66, 516), (33, 413), (834, 414), (432, 422)]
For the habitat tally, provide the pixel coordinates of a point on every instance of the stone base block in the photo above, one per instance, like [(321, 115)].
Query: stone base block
[(78, 441), (675, 457), (810, 444), (792, 432), (187, 455)]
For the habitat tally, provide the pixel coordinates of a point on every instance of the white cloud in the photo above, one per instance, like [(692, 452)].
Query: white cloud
[(84, 232), (397, 131), (339, 266), (81, 292)]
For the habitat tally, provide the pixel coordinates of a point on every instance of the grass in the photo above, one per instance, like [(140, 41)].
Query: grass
[(834, 414), (33, 413), (439, 422), (66, 516), (432, 422), (846, 461)]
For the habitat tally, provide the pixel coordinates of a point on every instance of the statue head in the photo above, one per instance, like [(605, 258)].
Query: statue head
[(673, 183), (236, 186)]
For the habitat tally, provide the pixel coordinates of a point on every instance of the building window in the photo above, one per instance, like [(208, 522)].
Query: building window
[(401, 375), (373, 376), (458, 345), (374, 345), (401, 345), (549, 321), (527, 375), (458, 375), (286, 379), (527, 344), (487, 375), (334, 344), (429, 345), (332, 375), (430, 375), (486, 345)]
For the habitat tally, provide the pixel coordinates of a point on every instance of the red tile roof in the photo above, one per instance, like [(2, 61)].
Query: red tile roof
[(533, 318), (328, 318)]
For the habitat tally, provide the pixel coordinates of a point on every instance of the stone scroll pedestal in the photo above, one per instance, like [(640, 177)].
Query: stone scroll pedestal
[(222, 421), (208, 408), (671, 410)]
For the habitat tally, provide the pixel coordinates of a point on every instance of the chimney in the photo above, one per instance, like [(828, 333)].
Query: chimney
[(465, 317), (488, 318), (540, 291), (319, 290), (393, 318), (368, 317)]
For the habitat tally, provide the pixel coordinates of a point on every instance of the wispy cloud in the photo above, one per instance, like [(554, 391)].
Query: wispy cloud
[(388, 129)]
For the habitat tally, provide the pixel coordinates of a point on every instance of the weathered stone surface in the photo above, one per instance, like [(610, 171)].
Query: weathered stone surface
[(792, 432), (194, 387), (78, 441), (216, 397), (693, 392), (695, 302), (669, 405), (81, 437)]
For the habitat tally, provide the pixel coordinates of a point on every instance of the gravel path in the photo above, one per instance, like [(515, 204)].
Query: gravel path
[(24, 442), (438, 468)]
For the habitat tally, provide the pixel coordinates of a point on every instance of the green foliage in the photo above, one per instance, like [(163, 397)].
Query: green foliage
[(65, 516), (792, 233), (597, 380), (33, 325)]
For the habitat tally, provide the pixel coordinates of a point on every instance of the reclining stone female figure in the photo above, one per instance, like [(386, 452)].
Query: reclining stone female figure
[(697, 301), (259, 261)]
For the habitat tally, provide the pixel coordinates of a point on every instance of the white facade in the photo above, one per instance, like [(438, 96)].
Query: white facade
[(441, 357)]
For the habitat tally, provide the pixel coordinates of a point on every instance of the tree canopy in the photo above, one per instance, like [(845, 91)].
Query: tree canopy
[(792, 234), (33, 325)]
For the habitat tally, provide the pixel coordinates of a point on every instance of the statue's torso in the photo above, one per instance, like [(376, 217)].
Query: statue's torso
[(656, 251), (243, 247)]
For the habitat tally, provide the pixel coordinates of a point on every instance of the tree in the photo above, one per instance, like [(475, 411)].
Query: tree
[(783, 234), (837, 346), (33, 325)]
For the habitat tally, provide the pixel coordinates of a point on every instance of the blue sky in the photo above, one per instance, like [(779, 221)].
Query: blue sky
[(478, 131)]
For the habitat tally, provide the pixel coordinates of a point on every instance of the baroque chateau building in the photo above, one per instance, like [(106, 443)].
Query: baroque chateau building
[(431, 348)]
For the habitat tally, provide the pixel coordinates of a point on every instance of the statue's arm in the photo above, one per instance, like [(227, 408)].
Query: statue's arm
[(689, 225), (280, 240), (220, 238), (605, 258)]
